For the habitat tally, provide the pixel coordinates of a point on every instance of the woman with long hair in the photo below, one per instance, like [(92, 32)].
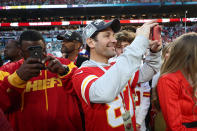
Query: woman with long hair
[(157, 120), (177, 85)]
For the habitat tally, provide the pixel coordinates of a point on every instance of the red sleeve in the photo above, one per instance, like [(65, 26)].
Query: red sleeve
[(4, 124), (5, 86), (168, 91), (4, 98), (82, 81), (133, 81)]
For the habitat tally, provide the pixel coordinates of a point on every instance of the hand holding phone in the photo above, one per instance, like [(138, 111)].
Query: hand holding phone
[(156, 42), (30, 68), (156, 33)]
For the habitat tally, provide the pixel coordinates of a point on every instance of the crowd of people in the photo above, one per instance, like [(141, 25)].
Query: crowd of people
[(171, 33), (125, 81)]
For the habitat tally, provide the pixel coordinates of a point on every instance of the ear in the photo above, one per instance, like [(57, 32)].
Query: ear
[(20, 52), (90, 43), (77, 45)]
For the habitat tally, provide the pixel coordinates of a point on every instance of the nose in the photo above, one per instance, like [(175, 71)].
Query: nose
[(113, 39)]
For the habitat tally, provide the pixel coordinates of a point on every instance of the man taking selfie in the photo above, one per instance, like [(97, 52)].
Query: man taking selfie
[(105, 88), (36, 91)]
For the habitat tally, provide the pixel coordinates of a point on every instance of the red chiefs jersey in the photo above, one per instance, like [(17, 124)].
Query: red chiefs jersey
[(102, 116), (44, 103)]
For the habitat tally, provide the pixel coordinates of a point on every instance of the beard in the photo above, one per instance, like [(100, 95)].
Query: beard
[(67, 50)]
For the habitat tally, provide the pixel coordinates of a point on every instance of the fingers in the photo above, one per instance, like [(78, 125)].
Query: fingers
[(39, 66), (27, 71), (153, 24), (155, 45), (153, 42), (34, 72), (33, 63), (51, 63), (54, 68), (54, 65), (151, 21), (146, 28), (32, 60), (47, 58)]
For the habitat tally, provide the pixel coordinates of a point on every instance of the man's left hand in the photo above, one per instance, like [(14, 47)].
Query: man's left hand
[(155, 46), (55, 66)]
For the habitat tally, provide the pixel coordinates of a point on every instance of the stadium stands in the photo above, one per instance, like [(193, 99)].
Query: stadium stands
[(69, 2), (168, 33), (52, 25)]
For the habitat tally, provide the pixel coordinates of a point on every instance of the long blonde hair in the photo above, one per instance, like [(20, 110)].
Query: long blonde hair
[(183, 57)]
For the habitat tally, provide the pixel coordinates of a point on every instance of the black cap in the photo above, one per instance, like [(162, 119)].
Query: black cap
[(70, 36), (99, 25)]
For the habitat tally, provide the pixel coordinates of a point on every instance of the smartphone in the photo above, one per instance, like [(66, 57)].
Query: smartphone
[(35, 52), (156, 33)]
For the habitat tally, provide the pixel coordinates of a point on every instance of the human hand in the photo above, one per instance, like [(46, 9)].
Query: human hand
[(145, 29), (155, 46), (55, 66), (30, 68)]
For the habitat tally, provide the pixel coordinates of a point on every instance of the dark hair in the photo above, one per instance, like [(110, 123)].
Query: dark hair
[(94, 37), (31, 35)]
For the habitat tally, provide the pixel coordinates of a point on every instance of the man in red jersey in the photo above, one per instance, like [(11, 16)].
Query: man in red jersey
[(105, 88), (45, 100)]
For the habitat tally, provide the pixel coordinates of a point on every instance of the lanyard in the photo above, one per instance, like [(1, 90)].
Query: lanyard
[(125, 98)]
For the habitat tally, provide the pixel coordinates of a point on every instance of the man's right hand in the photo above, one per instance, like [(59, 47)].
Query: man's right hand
[(30, 68), (146, 28)]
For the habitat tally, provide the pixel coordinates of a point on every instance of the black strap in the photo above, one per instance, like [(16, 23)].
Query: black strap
[(190, 124)]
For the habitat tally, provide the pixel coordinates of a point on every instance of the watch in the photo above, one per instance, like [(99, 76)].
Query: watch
[(66, 70)]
